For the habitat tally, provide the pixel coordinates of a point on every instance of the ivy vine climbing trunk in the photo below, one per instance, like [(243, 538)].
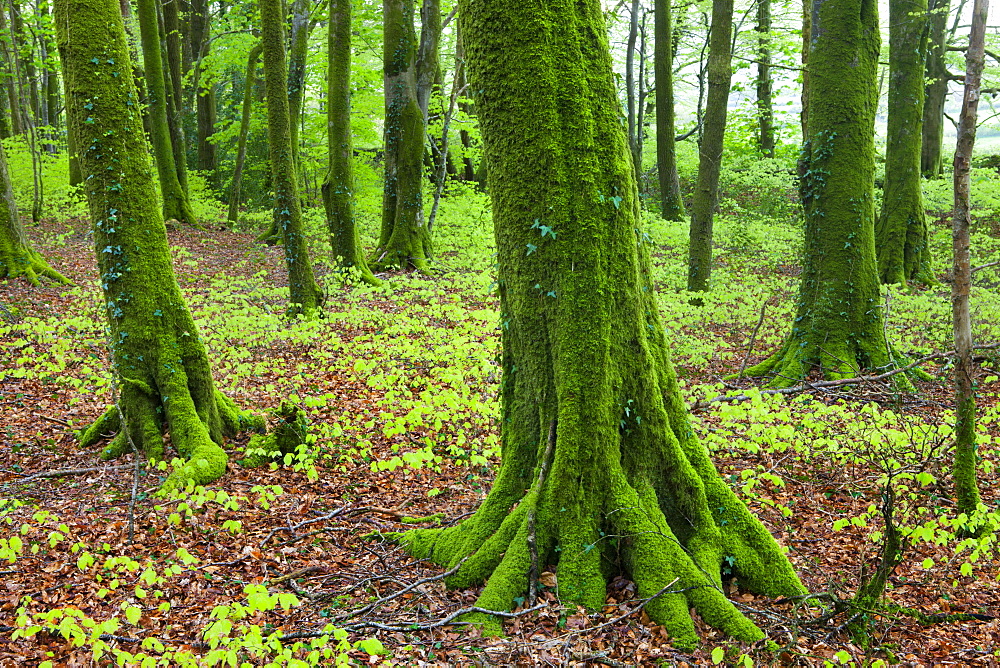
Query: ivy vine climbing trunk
[(404, 240), (672, 205), (174, 197), (966, 485), (17, 257), (595, 437), (936, 90), (338, 188), (839, 321), (304, 293), (706, 192), (157, 356), (901, 234)]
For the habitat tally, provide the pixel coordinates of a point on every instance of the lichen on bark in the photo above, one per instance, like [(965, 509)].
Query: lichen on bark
[(157, 356), (600, 472)]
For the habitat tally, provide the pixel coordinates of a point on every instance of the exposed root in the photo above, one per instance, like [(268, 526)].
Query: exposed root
[(31, 265)]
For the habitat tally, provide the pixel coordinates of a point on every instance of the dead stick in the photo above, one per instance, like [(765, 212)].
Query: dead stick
[(984, 266), (68, 472), (52, 419), (753, 338)]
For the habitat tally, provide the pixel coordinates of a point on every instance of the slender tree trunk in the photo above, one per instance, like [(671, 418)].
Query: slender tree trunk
[(765, 112), (235, 193), (935, 90), (175, 201), (461, 82), (161, 364), (594, 432), (804, 95), (663, 71), (17, 258), (8, 72), (706, 194), (428, 62), (901, 234), (174, 103), (338, 188), (966, 486), (630, 92), (305, 295), (298, 50), (839, 324), (200, 21), (404, 241), (26, 59)]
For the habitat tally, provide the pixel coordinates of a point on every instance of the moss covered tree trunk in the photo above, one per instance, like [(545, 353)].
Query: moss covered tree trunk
[(305, 295), (338, 188), (672, 206), (461, 81), (236, 190), (201, 26), (839, 321), (404, 240), (175, 200), (966, 484), (601, 472), (297, 52), (17, 257), (706, 192), (901, 230), (160, 362), (935, 91), (765, 111)]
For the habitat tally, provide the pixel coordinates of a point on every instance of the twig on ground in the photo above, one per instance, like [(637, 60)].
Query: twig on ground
[(68, 472), (753, 339), (52, 419), (364, 610)]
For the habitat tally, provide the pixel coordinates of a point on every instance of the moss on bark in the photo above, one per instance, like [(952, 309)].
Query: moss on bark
[(838, 324), (174, 198), (601, 471), (404, 241), (304, 293), (672, 205), (901, 232), (338, 188), (17, 257), (160, 361), (936, 90), (236, 190)]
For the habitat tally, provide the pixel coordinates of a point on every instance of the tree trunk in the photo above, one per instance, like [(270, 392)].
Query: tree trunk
[(305, 295), (461, 82), (601, 473), (17, 258), (156, 352), (338, 188), (175, 201), (901, 235), (404, 241), (428, 62), (235, 192), (298, 51), (9, 72), (804, 95), (706, 193), (839, 320), (175, 105), (630, 92), (966, 486), (200, 21), (663, 72), (765, 112), (935, 91)]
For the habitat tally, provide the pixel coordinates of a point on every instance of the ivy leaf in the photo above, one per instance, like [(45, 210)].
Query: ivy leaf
[(531, 248)]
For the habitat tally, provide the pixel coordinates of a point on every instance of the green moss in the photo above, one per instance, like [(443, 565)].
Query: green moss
[(286, 438)]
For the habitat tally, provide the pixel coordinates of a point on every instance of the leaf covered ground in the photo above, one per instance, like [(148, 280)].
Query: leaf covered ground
[(399, 385)]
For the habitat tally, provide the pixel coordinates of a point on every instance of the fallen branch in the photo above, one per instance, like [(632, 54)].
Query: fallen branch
[(984, 266), (385, 599), (52, 419), (68, 472)]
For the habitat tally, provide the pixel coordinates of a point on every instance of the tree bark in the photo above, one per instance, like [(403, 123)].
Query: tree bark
[(461, 82), (236, 191), (901, 234), (839, 323), (765, 112), (630, 88), (17, 257), (200, 21), (9, 73), (663, 71), (160, 362), (175, 200), (966, 486), (404, 241), (305, 295), (935, 91), (600, 471), (298, 50), (706, 193), (806, 42), (338, 188)]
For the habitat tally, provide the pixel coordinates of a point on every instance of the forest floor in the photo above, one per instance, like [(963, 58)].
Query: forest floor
[(400, 386)]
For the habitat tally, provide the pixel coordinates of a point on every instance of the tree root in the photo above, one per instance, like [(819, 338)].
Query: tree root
[(31, 265)]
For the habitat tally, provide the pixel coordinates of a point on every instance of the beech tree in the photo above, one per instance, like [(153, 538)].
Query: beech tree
[(901, 232), (595, 437), (304, 293), (157, 356), (672, 205), (838, 323), (765, 111), (404, 241), (936, 89), (174, 196), (706, 192), (338, 188), (17, 257)]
